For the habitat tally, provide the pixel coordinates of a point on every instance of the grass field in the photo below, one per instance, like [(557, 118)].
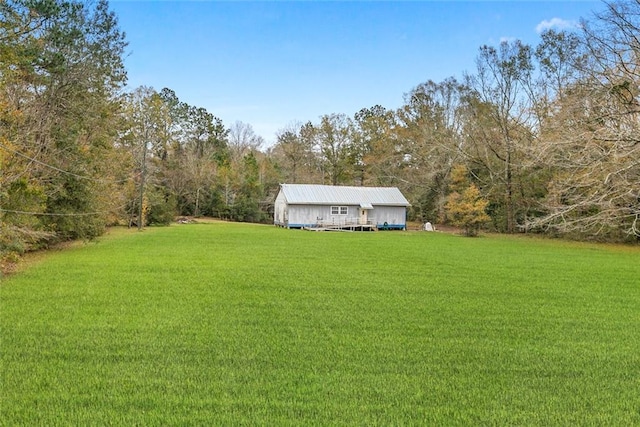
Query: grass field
[(235, 324)]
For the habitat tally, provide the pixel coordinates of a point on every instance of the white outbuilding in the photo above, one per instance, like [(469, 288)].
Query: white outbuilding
[(340, 207)]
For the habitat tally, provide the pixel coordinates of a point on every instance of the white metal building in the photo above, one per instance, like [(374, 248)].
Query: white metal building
[(314, 206)]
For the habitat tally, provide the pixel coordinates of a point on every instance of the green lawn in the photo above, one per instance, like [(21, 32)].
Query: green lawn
[(235, 324)]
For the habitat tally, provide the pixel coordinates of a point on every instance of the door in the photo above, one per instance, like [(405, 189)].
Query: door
[(363, 216)]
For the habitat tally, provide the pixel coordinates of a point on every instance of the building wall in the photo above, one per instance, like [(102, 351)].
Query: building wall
[(310, 215), (297, 216), (393, 216), (280, 210)]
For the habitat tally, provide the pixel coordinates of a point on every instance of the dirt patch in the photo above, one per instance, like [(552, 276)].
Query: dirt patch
[(200, 219)]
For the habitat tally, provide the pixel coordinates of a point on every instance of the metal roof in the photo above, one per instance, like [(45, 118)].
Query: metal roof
[(310, 194)]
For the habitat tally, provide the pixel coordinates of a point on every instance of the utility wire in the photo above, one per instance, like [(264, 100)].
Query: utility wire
[(50, 214), (61, 214), (77, 214), (62, 170)]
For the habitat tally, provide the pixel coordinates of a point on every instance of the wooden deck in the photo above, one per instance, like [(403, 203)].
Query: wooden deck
[(345, 226)]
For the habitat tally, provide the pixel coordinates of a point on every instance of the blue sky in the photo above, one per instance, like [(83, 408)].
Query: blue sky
[(271, 63)]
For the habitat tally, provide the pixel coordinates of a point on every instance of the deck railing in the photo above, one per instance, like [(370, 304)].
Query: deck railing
[(340, 222)]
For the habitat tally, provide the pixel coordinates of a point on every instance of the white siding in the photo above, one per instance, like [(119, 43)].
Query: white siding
[(280, 210), (392, 215), (311, 212), (309, 215)]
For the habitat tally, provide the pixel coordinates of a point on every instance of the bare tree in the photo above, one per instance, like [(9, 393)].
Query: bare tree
[(242, 139), (596, 151), (500, 114)]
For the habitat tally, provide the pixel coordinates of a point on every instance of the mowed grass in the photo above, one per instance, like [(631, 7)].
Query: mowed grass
[(235, 324)]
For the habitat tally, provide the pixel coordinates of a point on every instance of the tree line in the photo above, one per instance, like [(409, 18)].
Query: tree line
[(545, 138)]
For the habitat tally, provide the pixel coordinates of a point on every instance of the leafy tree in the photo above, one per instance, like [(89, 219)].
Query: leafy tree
[(465, 206), (186, 148), (375, 147), (60, 77), (428, 137), (160, 207), (293, 152), (246, 206), (333, 137)]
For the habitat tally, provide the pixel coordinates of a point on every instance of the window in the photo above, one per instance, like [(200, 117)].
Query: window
[(339, 210)]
